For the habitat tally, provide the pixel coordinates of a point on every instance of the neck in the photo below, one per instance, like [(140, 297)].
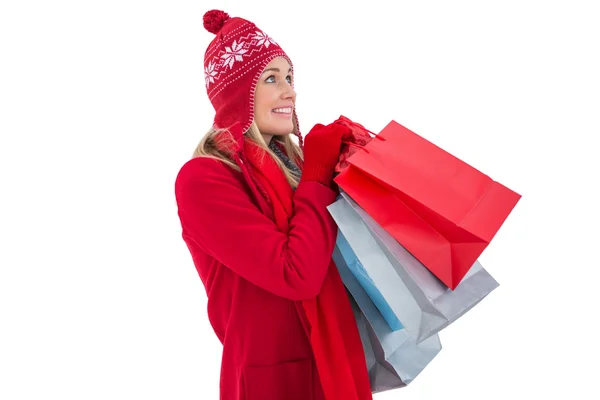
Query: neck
[(267, 138)]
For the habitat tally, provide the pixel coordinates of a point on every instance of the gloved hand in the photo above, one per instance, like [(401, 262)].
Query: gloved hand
[(322, 147), (358, 138)]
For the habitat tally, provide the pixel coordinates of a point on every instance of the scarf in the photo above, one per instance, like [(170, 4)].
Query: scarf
[(283, 157), (332, 330)]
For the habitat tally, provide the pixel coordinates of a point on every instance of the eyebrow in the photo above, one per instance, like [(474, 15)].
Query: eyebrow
[(275, 69)]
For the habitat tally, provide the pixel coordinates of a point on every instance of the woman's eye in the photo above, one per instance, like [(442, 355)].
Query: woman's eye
[(271, 79)]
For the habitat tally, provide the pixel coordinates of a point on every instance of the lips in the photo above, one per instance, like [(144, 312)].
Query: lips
[(283, 110)]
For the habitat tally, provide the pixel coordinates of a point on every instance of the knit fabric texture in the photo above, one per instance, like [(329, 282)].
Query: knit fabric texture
[(233, 63), (285, 159)]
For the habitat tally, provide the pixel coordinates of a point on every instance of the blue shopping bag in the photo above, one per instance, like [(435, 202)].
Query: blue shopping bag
[(366, 282)]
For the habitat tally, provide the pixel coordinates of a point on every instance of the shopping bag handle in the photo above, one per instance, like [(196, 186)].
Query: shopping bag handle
[(342, 120), (359, 146), (355, 145), (345, 120)]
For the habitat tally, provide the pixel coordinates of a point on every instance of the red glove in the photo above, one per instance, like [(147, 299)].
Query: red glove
[(322, 148), (357, 138)]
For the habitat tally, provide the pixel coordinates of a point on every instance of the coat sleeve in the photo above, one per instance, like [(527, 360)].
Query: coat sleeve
[(218, 214)]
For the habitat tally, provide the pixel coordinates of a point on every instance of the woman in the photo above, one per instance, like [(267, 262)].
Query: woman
[(252, 206)]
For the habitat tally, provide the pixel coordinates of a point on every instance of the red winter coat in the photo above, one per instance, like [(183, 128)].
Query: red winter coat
[(254, 277)]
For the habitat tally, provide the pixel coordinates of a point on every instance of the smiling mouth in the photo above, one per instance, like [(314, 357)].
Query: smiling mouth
[(283, 110)]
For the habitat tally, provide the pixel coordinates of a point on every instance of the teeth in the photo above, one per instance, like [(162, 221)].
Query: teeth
[(285, 110)]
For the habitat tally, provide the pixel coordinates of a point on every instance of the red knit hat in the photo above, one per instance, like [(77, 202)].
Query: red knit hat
[(233, 63)]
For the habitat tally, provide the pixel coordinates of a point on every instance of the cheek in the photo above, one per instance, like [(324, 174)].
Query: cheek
[(261, 113), (264, 100)]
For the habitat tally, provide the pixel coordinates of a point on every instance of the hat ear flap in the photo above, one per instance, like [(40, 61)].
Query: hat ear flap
[(238, 135), (296, 130)]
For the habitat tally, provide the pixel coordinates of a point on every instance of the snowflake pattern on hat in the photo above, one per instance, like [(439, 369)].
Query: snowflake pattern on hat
[(263, 39), (210, 73), (235, 52)]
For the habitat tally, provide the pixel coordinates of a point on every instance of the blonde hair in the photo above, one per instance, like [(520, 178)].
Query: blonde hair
[(212, 145)]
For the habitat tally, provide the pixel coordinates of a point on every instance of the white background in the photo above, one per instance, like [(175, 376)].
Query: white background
[(101, 103)]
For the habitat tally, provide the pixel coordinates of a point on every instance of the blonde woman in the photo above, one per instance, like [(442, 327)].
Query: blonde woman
[(253, 210)]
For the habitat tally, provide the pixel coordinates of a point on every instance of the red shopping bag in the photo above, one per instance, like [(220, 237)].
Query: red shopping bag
[(442, 210)]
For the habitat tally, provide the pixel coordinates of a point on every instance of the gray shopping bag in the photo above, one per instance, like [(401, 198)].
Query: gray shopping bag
[(394, 359), (422, 303)]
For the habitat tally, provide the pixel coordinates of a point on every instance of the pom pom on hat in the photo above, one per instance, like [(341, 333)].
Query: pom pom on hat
[(214, 20)]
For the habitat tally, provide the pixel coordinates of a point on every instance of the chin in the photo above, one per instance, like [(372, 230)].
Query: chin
[(277, 130)]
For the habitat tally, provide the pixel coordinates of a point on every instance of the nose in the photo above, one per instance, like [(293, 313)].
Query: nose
[(288, 93)]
